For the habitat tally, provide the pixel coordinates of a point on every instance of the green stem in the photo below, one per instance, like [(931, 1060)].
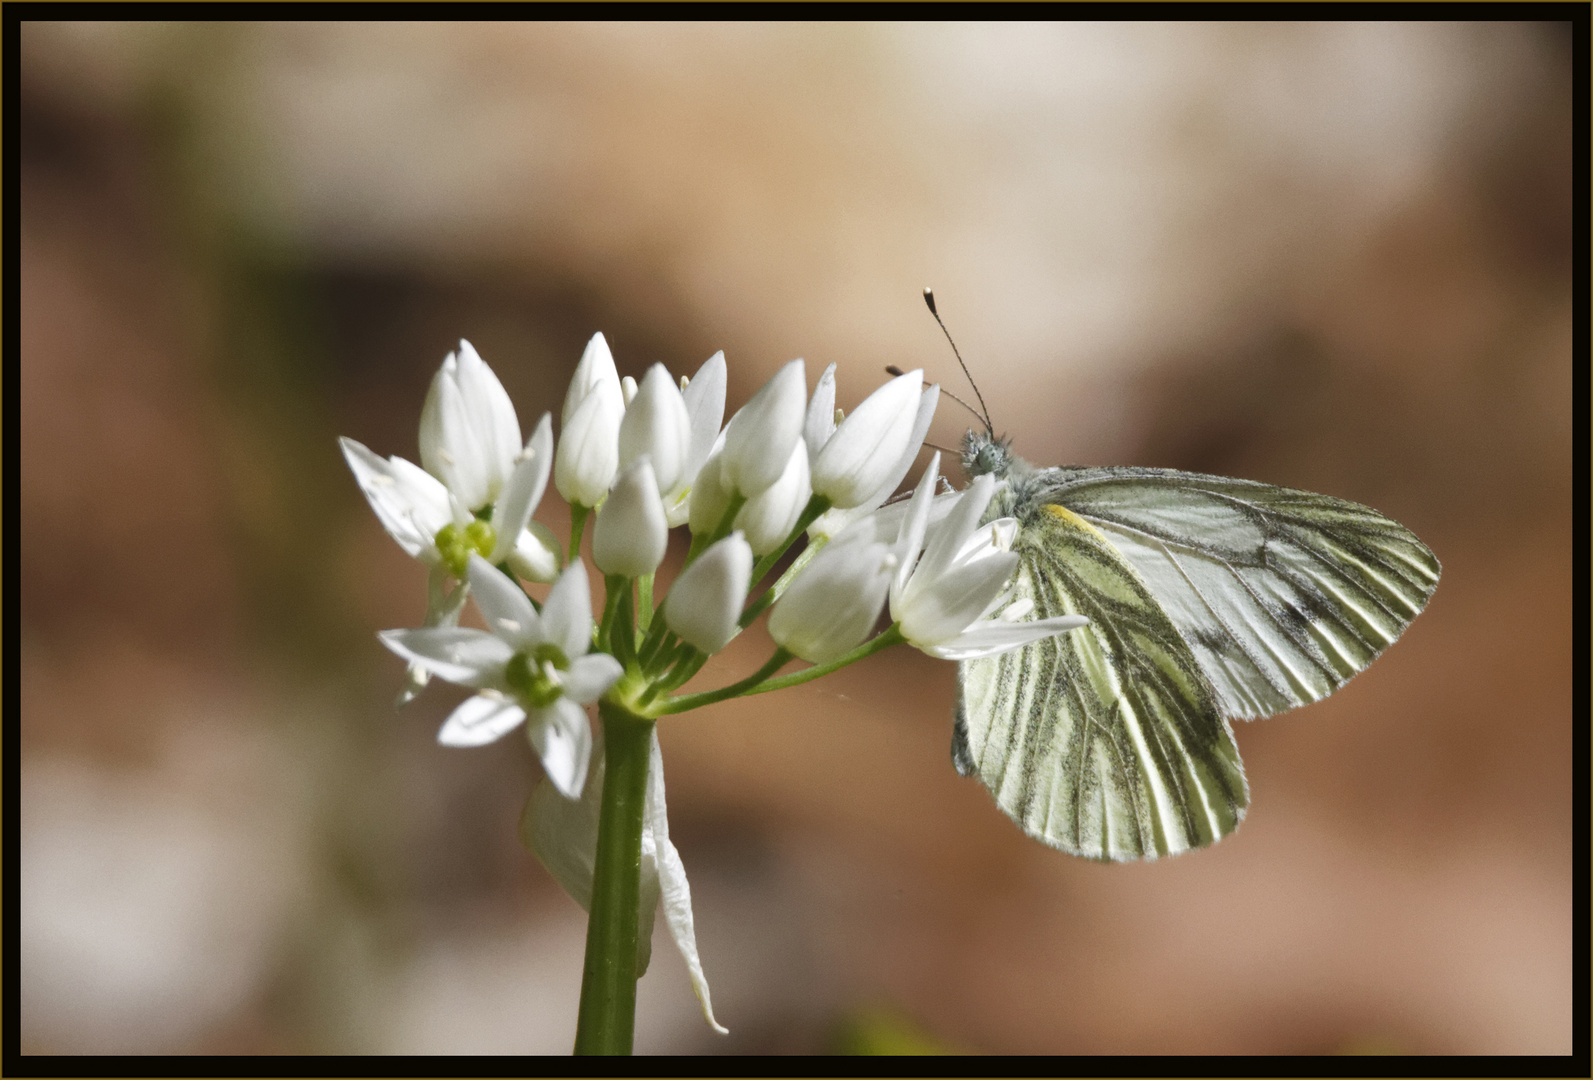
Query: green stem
[(644, 602), (735, 689), (605, 625), (690, 663), (772, 593), (892, 636), (607, 1018), (817, 505), (578, 514), (622, 632), (699, 544), (658, 641)]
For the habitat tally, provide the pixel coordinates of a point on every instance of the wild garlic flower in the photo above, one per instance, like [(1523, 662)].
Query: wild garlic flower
[(760, 436), (594, 409), (476, 494), (657, 425), (532, 666), (946, 602), (859, 460), (705, 602), (834, 602), (631, 534), (861, 454), (769, 516), (704, 396)]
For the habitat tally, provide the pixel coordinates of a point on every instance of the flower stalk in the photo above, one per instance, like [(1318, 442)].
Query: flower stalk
[(606, 1021)]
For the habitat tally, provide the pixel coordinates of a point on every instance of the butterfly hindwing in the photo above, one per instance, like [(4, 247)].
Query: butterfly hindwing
[(1107, 741), (1282, 595)]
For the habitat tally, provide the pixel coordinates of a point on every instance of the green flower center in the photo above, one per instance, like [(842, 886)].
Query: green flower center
[(456, 545), (535, 676)]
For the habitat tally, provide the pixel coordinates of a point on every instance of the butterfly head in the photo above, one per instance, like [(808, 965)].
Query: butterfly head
[(985, 452)]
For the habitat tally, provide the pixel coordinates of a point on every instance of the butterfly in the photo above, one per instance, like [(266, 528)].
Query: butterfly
[(1210, 600)]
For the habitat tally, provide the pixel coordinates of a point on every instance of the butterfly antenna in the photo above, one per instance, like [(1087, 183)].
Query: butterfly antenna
[(929, 299), (892, 369)]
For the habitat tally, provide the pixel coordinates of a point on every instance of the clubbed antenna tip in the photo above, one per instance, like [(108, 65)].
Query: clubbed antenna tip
[(982, 412)]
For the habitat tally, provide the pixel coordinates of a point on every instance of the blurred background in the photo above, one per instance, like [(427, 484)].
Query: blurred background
[(1335, 257)]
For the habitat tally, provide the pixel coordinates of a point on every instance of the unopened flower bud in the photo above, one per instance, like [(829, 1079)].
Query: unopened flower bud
[(656, 424), (630, 535), (595, 373), (769, 516), (704, 604), (469, 435), (536, 553), (709, 496), (704, 396), (588, 455), (759, 439), (865, 448), (834, 602)]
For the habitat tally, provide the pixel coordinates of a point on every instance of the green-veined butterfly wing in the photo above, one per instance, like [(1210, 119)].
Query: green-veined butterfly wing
[(1282, 595), (1107, 741)]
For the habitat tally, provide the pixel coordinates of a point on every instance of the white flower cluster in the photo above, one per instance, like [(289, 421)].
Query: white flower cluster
[(644, 458)]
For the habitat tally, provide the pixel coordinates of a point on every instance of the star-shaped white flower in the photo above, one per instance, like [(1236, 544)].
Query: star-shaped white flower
[(532, 667), (951, 603), (478, 495)]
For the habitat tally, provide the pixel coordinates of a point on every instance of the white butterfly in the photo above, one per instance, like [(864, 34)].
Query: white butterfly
[(1209, 600)]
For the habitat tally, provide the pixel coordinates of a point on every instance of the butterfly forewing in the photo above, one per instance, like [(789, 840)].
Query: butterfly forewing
[(1282, 595), (1107, 741)]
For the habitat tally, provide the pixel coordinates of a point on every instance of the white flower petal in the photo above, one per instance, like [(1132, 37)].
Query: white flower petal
[(769, 516), (443, 606), (862, 454), (935, 611), (536, 555), (657, 426), (996, 636), (710, 497), (915, 442), (910, 539), (834, 602), (496, 428), (820, 422), (588, 455), (673, 887), (959, 525), (520, 496), (504, 605), (410, 503), (590, 676), (480, 720), (567, 612), (595, 372), (760, 436), (704, 604), (631, 534), (705, 405), (998, 535), (459, 654), (449, 446), (562, 736)]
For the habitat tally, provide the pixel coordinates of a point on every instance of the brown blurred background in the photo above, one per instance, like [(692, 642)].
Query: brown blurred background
[(1335, 257)]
